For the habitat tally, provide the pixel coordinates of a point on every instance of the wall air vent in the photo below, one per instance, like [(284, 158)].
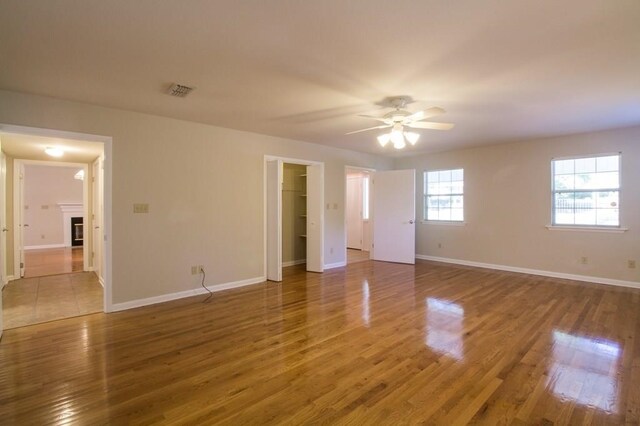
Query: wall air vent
[(179, 90)]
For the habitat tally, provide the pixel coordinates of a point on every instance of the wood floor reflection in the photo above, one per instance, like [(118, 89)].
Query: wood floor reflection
[(371, 343)]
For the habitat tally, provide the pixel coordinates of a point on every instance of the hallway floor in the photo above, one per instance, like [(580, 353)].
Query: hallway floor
[(42, 262)]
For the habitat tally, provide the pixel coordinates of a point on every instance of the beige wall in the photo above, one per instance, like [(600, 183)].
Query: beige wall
[(44, 188), (204, 187), (508, 205), (294, 248)]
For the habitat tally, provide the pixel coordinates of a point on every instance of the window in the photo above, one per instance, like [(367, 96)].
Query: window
[(444, 195), (365, 197), (586, 191)]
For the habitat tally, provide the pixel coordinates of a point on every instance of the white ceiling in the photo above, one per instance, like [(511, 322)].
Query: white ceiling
[(503, 70), (29, 147)]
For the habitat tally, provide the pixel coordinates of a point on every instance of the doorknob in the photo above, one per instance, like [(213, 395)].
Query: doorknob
[(411, 222), (26, 225), (96, 227), (4, 229)]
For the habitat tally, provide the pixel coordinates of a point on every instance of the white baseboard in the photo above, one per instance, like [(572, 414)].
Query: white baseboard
[(181, 294), (335, 265), (9, 278), (585, 278), (101, 281), (294, 262), (45, 246)]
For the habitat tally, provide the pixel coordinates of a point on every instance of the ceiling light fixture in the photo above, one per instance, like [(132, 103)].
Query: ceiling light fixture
[(398, 137), (54, 151)]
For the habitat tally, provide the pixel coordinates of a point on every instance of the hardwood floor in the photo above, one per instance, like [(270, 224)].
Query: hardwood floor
[(371, 343), (52, 261), (354, 256), (34, 300)]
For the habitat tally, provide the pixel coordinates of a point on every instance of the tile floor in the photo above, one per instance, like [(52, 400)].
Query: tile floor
[(34, 300)]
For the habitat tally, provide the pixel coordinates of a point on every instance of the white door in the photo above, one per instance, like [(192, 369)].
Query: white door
[(3, 233), (354, 212), (315, 218), (274, 220), (18, 209), (96, 223), (394, 233)]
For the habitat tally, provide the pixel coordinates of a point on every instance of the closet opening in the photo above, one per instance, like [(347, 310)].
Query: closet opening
[(294, 215)]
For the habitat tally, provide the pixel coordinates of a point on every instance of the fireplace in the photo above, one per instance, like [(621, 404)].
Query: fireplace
[(77, 231)]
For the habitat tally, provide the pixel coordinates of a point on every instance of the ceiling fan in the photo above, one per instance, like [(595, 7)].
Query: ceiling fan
[(400, 118)]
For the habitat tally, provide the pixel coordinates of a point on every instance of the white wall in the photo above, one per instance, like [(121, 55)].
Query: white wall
[(508, 205), (45, 187), (204, 187)]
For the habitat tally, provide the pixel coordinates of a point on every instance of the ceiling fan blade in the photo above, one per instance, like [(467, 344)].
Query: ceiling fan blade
[(384, 126), (430, 125), (384, 120), (421, 115)]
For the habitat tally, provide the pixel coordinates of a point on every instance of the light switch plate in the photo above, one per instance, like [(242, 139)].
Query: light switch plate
[(141, 208)]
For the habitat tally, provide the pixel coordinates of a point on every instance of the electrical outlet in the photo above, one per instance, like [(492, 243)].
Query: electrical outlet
[(201, 269), (42, 236), (439, 245), (631, 264), (584, 260), (331, 250), (194, 270)]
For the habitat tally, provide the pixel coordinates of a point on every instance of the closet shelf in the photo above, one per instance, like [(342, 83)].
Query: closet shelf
[(303, 195), (303, 215), (303, 236), (304, 175)]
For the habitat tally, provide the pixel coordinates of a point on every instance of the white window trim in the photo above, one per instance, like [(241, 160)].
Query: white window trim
[(425, 195), (587, 228)]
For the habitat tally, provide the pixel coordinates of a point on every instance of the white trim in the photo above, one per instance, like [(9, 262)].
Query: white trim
[(9, 278), (182, 294), (335, 265), (585, 278), (613, 230), (101, 281), (44, 246), (294, 262)]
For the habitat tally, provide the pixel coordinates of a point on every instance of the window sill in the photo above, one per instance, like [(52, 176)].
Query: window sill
[(443, 222), (614, 230)]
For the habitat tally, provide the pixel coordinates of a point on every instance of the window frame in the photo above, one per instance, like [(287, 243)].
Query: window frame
[(425, 195), (586, 227)]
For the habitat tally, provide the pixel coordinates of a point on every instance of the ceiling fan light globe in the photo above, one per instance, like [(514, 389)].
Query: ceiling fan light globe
[(411, 137), (399, 145), (383, 140), (396, 137)]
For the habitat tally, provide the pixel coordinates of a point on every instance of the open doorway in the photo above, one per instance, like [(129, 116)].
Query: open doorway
[(52, 218), (358, 214), (54, 203), (294, 215)]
